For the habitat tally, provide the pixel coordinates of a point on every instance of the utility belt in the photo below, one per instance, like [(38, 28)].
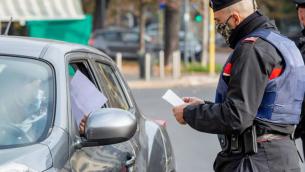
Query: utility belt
[(246, 143)]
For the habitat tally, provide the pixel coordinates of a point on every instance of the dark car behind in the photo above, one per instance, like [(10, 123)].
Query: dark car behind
[(120, 40)]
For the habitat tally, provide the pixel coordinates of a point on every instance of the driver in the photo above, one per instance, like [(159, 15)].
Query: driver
[(20, 106)]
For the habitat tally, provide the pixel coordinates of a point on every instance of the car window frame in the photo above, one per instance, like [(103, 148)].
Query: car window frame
[(50, 120), (70, 58), (88, 66), (97, 63)]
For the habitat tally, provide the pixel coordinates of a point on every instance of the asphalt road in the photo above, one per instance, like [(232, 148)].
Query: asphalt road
[(194, 151)]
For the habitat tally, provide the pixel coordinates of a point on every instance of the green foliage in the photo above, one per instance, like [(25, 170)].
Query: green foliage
[(283, 12), (88, 6), (278, 9), (197, 68)]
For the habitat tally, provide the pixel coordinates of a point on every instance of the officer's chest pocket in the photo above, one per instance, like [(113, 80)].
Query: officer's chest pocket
[(300, 83), (285, 92), (299, 92), (289, 100), (299, 97), (291, 95), (291, 89)]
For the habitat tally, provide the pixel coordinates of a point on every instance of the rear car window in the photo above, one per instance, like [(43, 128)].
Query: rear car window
[(130, 37), (26, 101), (112, 36)]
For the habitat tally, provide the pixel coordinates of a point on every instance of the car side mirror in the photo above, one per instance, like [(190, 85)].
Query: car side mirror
[(109, 126)]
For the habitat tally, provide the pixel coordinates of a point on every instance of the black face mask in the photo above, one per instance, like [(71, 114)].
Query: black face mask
[(224, 30)]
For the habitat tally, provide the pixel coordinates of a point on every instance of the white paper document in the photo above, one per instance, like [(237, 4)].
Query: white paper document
[(172, 98), (85, 97)]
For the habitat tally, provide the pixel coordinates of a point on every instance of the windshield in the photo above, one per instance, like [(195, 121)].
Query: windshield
[(26, 100)]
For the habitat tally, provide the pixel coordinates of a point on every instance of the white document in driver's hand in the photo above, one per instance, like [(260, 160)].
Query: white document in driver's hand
[(85, 97), (172, 98)]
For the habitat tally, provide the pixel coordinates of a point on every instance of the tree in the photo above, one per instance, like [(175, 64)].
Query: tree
[(97, 8), (88, 6), (99, 15), (284, 9), (171, 29), (142, 25), (283, 12), (138, 8)]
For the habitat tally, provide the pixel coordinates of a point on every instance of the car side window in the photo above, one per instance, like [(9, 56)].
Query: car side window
[(82, 90), (81, 66), (130, 37), (112, 87)]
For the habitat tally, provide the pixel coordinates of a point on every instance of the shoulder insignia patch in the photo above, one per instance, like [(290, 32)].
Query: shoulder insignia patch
[(227, 69), (250, 39), (276, 72)]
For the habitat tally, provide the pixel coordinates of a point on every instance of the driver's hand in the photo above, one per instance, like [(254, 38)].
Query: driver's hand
[(82, 125)]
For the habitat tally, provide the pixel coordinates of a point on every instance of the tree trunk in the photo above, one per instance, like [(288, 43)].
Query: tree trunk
[(99, 15), (205, 33), (171, 29), (142, 27)]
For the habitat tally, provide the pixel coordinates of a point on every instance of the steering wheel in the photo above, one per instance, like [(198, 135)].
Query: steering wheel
[(11, 135)]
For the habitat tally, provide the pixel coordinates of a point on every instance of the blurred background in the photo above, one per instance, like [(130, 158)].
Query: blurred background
[(136, 27), (157, 45)]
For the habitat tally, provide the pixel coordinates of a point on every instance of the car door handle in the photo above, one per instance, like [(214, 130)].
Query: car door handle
[(131, 161)]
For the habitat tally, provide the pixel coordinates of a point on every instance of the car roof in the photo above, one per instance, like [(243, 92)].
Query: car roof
[(36, 47)]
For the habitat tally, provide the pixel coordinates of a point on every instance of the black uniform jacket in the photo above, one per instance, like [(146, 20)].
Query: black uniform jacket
[(252, 64), (299, 40)]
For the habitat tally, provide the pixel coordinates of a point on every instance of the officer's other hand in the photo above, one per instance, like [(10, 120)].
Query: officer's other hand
[(178, 113), (193, 100), (82, 125)]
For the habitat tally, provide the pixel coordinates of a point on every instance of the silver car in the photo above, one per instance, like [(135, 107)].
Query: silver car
[(38, 131)]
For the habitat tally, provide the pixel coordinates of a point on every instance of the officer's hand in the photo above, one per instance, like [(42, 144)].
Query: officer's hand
[(193, 100), (82, 125), (178, 113)]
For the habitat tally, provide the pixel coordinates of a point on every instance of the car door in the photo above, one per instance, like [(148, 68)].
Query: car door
[(99, 158), (151, 153), (120, 97)]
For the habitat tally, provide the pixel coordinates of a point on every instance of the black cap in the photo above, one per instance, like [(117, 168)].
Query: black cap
[(299, 2), (221, 4)]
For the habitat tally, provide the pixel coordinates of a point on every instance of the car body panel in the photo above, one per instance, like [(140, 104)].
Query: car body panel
[(59, 147), (26, 46), (36, 157)]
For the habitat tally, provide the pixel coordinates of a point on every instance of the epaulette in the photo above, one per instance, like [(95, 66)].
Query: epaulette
[(250, 39)]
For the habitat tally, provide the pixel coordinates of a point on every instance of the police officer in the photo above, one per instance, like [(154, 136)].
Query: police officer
[(258, 97), (299, 40)]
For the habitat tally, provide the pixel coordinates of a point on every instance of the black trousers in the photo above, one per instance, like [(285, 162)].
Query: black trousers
[(273, 156), (303, 143)]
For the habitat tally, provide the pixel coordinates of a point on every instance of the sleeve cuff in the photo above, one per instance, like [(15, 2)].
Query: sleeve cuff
[(187, 114)]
